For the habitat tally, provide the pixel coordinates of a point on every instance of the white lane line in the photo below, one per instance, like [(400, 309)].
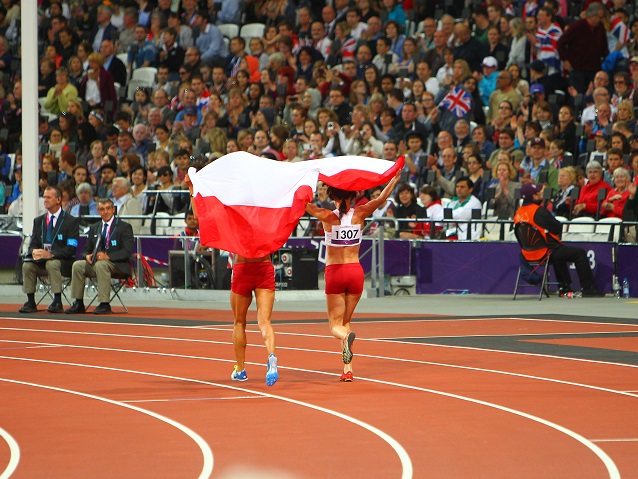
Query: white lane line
[(627, 439), (367, 321), (369, 356), (193, 399), (14, 454), (406, 463), (207, 454)]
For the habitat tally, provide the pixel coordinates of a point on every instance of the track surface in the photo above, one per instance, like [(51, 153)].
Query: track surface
[(148, 394)]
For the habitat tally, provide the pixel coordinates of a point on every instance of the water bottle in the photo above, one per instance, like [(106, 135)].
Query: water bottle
[(625, 288), (616, 287)]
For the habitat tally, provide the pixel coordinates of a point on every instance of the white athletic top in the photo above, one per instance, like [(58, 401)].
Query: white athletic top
[(344, 234)]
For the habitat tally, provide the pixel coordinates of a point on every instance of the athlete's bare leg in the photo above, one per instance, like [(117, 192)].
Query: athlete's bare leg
[(265, 299), (240, 305), (351, 303), (336, 304)]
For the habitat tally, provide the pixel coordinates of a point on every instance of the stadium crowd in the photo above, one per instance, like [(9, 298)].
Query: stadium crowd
[(479, 97)]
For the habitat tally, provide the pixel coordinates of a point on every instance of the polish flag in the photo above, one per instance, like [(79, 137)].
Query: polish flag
[(250, 205)]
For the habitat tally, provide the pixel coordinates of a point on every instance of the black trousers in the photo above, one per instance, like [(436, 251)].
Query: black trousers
[(563, 255)]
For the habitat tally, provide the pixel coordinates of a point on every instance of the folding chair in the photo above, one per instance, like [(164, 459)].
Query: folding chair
[(118, 281), (44, 286), (532, 241)]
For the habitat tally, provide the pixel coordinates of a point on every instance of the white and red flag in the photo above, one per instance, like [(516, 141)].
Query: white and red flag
[(250, 205)]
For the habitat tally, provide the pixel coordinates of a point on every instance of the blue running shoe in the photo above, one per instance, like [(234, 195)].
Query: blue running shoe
[(272, 375), (347, 348), (238, 375)]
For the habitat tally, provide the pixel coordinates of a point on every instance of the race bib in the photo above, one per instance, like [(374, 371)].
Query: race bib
[(346, 235)]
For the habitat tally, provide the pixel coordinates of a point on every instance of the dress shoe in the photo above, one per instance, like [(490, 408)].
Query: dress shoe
[(593, 293), (76, 308), (29, 307), (55, 307), (103, 308)]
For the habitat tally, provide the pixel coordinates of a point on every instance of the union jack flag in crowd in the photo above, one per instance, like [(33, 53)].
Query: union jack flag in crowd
[(619, 30), (458, 101)]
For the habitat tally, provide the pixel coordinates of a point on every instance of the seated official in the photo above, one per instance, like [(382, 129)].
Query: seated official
[(551, 229), (52, 250), (108, 250)]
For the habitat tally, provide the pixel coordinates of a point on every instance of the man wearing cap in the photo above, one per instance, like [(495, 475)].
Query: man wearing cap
[(538, 92), (551, 229), (538, 155), (487, 84), (51, 251)]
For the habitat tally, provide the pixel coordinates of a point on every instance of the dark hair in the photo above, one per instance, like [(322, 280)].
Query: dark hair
[(341, 195), (470, 183), (400, 189), (429, 190)]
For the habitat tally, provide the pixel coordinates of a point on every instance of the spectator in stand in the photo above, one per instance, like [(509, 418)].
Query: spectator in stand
[(614, 161), (547, 35), (171, 53), (468, 48), (504, 92), (587, 203), (210, 41), (112, 64), (462, 205), (504, 202), (126, 35), (58, 96), (98, 88), (584, 46), (104, 29), (46, 77), (143, 52), (614, 203)]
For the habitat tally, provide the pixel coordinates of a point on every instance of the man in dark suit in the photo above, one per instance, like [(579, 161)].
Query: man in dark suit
[(52, 251), (108, 250), (112, 64)]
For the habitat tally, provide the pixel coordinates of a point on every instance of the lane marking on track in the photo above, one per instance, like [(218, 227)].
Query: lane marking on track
[(322, 321), (627, 439), (406, 463), (194, 399), (369, 356), (207, 454), (14, 454), (421, 344)]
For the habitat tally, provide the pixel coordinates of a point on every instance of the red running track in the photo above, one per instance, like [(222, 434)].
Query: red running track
[(84, 399)]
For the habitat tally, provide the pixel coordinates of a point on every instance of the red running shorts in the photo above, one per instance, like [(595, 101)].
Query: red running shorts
[(248, 277), (344, 278)]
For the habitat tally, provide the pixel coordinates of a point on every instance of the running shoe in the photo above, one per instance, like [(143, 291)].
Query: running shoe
[(346, 377), (347, 348), (272, 375), (238, 375)]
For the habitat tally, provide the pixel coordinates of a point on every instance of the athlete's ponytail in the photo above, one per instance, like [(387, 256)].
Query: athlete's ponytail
[(342, 196)]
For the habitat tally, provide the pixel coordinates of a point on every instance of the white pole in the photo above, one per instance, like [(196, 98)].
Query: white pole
[(30, 147)]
